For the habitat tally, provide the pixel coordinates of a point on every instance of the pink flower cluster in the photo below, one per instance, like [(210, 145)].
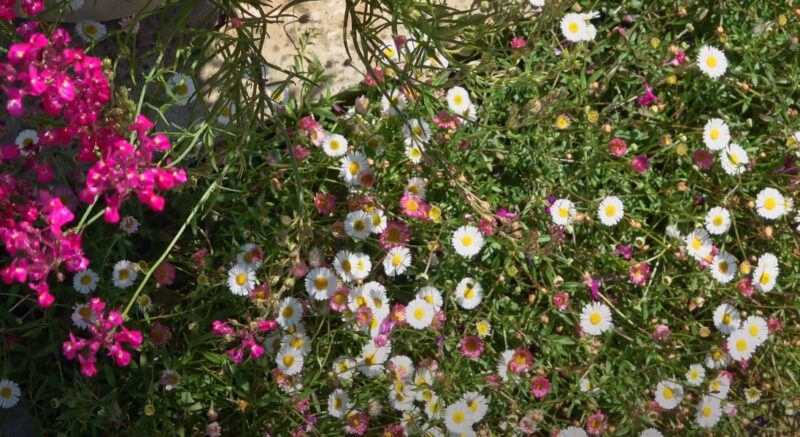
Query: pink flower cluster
[(250, 338), (72, 90), (107, 332), (30, 7)]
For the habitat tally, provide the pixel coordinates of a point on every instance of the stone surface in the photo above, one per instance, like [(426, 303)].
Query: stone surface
[(104, 10), (321, 21)]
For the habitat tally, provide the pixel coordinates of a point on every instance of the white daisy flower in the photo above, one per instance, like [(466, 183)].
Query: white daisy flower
[(362, 265), (91, 30), (290, 312), (334, 145), (416, 133), (278, 95), (726, 318), (343, 264), (477, 403), (377, 301), (289, 361), (467, 241), (414, 154), (752, 395), (298, 341), (338, 403), (344, 367), (372, 359), (226, 113), (272, 342), (709, 412), (358, 225), (401, 397), (458, 99), (770, 204), (574, 28), (390, 51), (668, 394), (537, 3), (717, 359), (434, 408), (765, 275), (563, 212), (756, 328), (241, 280), (719, 386), (716, 134), (740, 345), (723, 268), (9, 393), (734, 159), (82, 316), (320, 283), (85, 282), (585, 385), (250, 255), (416, 186), (651, 432), (718, 221), (402, 367), (394, 103), (572, 431), (419, 313), (458, 417), (468, 293), (695, 375), (397, 261), (352, 166), (378, 219), (698, 244), (129, 225), (182, 88), (712, 62), (596, 318), (610, 210), (124, 274), (432, 295), (25, 140)]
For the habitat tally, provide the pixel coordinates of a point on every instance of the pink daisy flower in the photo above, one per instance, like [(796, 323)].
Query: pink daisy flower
[(540, 387), (561, 301), (396, 234), (471, 346), (357, 422), (325, 203), (413, 206), (521, 361), (639, 273), (596, 424), (338, 300)]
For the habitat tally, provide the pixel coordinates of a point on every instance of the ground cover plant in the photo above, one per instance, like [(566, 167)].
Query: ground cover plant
[(530, 218)]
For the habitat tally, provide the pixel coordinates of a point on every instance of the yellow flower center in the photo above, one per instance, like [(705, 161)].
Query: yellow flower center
[(595, 318), (334, 145), (412, 205), (360, 301), (321, 283), (693, 374), (287, 312), (706, 411), (770, 203), (370, 359), (469, 293), (417, 130), (359, 225), (573, 27), (714, 134), (86, 280), (85, 312), (765, 278), (181, 89), (353, 168), (376, 220), (27, 141), (458, 100), (716, 355), (718, 220), (466, 240), (416, 153), (696, 243), (419, 313), (611, 210), (288, 360), (296, 343), (727, 319), (339, 298), (428, 298), (5, 393), (711, 61), (123, 274), (668, 393), (337, 403), (241, 279), (389, 52), (397, 259), (90, 29), (741, 345), (346, 266), (723, 266), (753, 330), (563, 212)]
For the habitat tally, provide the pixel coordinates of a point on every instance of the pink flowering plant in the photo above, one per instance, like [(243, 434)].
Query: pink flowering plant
[(519, 218)]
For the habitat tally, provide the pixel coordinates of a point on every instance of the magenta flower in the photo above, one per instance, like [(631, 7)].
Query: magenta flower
[(471, 346), (540, 387), (648, 98), (624, 250), (639, 273), (640, 164), (165, 274), (160, 334), (617, 147), (521, 361), (596, 424), (413, 206), (325, 203), (486, 227), (396, 234), (517, 42), (561, 300), (662, 333), (357, 422), (703, 159)]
